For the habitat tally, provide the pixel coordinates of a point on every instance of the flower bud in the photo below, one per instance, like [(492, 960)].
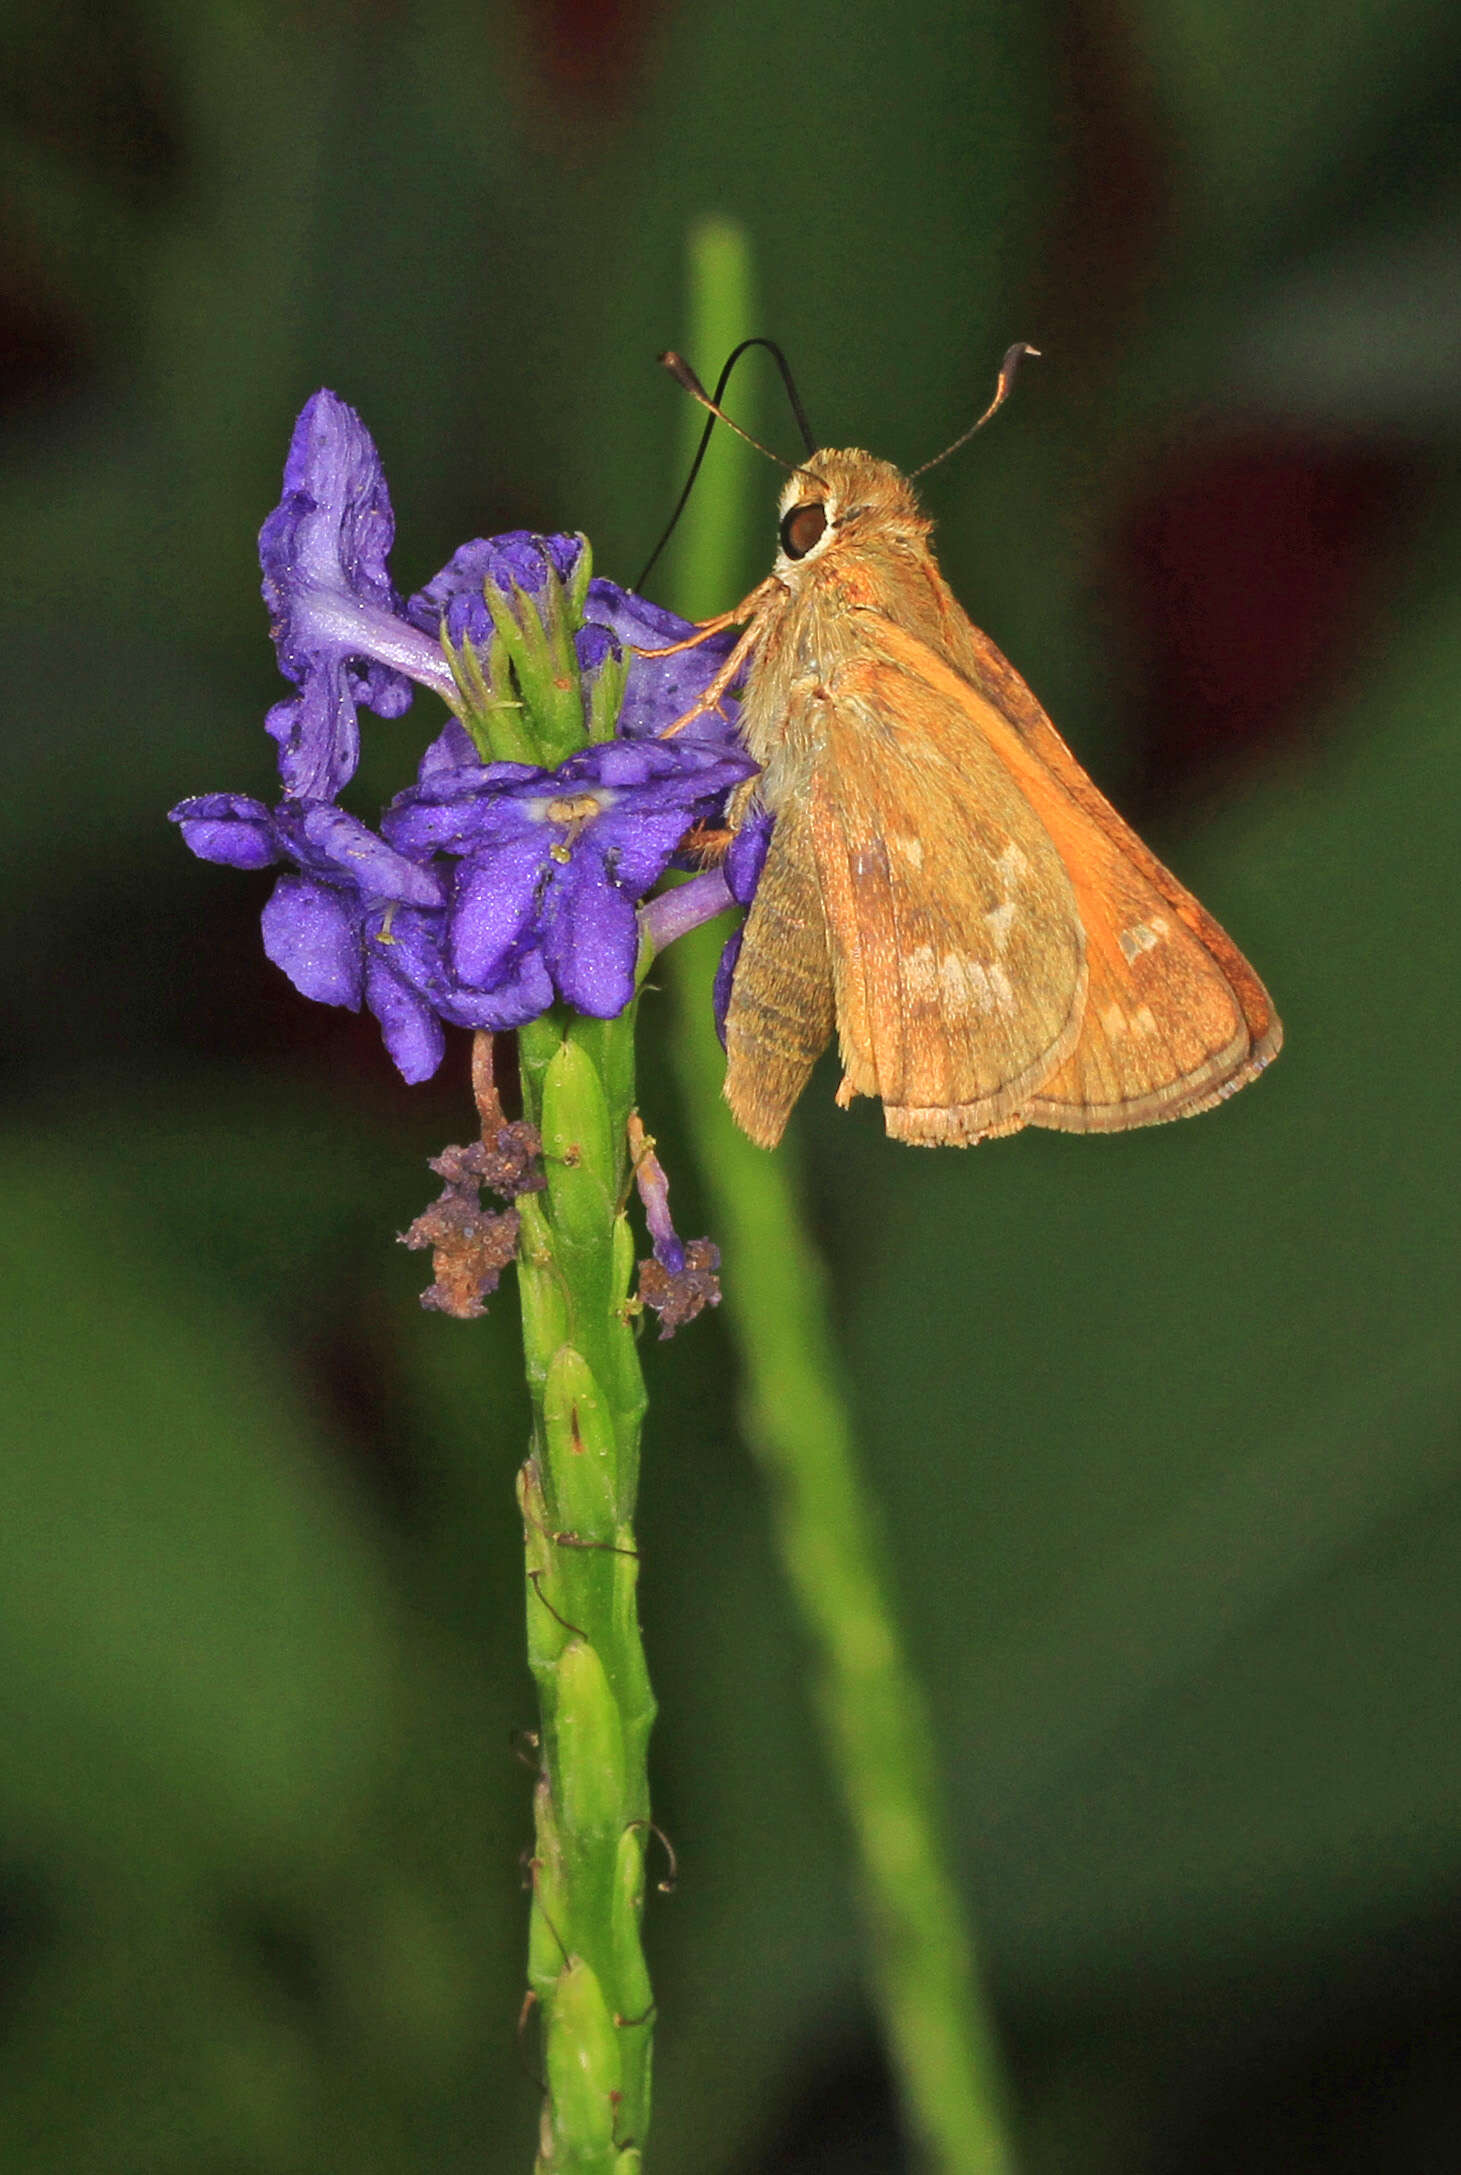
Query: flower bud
[(583, 2064)]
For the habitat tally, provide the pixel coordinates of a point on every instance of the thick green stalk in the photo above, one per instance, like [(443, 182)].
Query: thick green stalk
[(577, 1489), (877, 1723)]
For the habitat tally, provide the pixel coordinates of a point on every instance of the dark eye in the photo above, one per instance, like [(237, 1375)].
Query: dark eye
[(802, 527)]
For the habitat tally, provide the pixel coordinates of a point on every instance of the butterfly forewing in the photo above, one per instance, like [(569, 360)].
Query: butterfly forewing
[(1175, 1018), (956, 945)]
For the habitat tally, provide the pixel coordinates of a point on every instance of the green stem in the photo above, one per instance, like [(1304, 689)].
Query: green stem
[(877, 1723), (577, 1489)]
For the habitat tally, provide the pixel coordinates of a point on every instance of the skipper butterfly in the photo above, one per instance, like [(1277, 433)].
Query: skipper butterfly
[(945, 887)]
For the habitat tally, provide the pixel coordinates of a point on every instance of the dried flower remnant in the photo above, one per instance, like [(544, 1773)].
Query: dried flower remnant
[(681, 1277), (472, 1245), (679, 1296), (509, 1156)]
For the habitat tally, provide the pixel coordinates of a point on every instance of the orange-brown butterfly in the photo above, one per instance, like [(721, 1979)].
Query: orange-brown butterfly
[(945, 885)]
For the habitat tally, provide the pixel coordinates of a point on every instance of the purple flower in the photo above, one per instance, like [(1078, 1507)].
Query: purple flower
[(508, 611), (518, 560), (553, 864), (358, 922), (345, 638), (660, 690), (337, 621), (552, 856)]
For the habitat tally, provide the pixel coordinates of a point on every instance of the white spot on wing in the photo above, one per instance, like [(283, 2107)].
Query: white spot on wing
[(908, 849), (1141, 937), (1012, 865), (920, 972), (999, 920), (968, 985), (954, 982)]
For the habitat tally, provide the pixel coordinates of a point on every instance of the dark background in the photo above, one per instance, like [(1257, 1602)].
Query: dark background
[(1165, 1426)]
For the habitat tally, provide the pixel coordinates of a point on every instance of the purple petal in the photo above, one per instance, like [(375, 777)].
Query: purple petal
[(325, 546), (746, 856), (523, 993), (333, 528), (634, 845), (640, 624), (227, 827), (337, 620), (691, 790), (414, 948), (409, 1027), (516, 559), (456, 809), (620, 763), (318, 737), (654, 1192), (564, 551), (310, 933), (592, 943), (495, 898), (455, 595), (452, 749), (656, 771), (337, 843), (594, 647), (528, 560)]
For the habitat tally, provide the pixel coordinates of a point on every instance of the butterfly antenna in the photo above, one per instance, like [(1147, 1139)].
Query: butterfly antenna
[(683, 375), (1014, 356)]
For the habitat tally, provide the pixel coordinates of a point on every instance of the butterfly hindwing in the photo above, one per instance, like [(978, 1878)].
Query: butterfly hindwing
[(779, 1017)]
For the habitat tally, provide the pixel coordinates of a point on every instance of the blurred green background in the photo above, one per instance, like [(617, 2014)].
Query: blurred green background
[(1164, 1427)]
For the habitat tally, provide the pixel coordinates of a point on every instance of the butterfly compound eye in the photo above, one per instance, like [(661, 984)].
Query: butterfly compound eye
[(803, 527)]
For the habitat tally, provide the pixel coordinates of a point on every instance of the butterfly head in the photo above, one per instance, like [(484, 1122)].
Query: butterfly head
[(838, 499)]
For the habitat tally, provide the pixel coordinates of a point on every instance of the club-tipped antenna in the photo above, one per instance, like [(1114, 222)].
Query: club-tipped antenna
[(683, 375), (1013, 357)]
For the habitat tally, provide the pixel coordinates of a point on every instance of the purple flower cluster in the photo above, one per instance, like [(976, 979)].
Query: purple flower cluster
[(492, 888)]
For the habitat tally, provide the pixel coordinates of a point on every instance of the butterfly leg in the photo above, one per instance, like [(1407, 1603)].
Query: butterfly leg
[(710, 699), (709, 842), (736, 617), (703, 629)]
